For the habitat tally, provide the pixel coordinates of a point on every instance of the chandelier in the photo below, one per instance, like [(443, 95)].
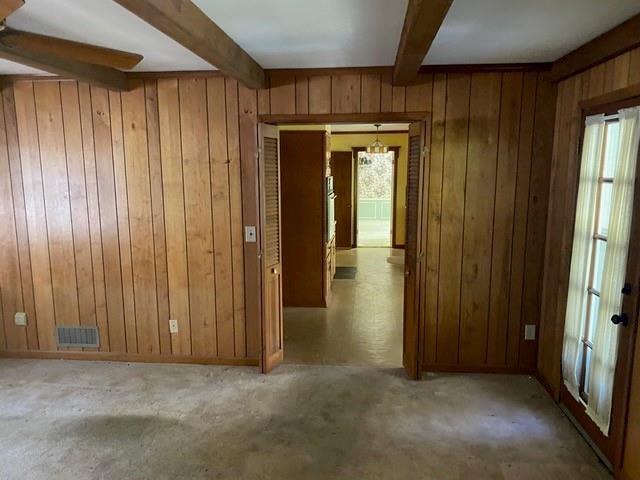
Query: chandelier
[(377, 146)]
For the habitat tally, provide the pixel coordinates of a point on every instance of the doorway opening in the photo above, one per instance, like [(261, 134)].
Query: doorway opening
[(343, 280), (374, 192)]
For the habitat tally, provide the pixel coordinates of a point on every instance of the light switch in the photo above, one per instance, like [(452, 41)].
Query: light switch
[(529, 332), (21, 319), (173, 326), (250, 233)]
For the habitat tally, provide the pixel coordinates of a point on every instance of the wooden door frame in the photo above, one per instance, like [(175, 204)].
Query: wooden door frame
[(396, 154), (251, 193), (612, 450)]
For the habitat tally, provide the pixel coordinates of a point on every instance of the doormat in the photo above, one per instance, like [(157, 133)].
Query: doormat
[(345, 273)]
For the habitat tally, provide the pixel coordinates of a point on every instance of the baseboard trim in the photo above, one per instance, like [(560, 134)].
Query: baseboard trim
[(443, 368), (130, 357)]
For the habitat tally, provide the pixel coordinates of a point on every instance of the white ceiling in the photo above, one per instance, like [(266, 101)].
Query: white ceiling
[(336, 33)]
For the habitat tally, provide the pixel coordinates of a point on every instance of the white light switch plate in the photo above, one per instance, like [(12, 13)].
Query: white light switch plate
[(21, 319), (250, 234), (173, 326), (529, 332)]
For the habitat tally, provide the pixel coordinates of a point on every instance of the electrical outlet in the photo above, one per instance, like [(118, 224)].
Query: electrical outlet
[(529, 332), (173, 326), (20, 319)]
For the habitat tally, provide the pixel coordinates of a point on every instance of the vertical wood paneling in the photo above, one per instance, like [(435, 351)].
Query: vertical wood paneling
[(157, 206), (136, 154), (503, 217), (78, 202), (12, 337), (93, 214), (370, 102), (302, 95), (319, 94), (436, 166), (398, 97), (174, 213), (158, 183), (221, 214), (452, 219), (520, 213), (56, 201), (35, 213), (237, 115), (478, 216), (283, 93), (22, 236), (345, 93), (197, 193), (124, 226), (247, 131)]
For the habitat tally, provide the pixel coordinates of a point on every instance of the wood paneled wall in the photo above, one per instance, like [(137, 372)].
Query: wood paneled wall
[(619, 72), (126, 210), (488, 186), (614, 74)]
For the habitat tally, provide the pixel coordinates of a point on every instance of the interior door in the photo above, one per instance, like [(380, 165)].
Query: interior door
[(271, 265), (413, 249), (342, 170)]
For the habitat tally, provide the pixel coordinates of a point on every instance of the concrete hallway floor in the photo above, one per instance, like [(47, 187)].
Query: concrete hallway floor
[(99, 420)]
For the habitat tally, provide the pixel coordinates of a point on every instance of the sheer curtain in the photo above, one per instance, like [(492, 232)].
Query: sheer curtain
[(605, 345), (572, 350)]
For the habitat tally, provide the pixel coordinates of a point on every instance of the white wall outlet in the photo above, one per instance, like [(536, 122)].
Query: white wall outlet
[(20, 319), (173, 326), (250, 233), (529, 332)]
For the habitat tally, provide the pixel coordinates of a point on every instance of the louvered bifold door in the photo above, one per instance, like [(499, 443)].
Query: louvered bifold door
[(269, 169), (413, 254)]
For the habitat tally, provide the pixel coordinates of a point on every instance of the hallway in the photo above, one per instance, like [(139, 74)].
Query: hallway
[(362, 324)]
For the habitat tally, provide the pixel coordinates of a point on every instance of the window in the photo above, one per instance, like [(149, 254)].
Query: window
[(600, 229)]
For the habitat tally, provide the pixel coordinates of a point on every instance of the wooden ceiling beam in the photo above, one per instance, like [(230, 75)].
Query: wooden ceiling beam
[(7, 7), (69, 49), (185, 23), (616, 41), (421, 24), (99, 75)]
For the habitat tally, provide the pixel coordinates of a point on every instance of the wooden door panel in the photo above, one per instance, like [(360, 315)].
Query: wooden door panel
[(342, 170), (270, 246), (413, 250)]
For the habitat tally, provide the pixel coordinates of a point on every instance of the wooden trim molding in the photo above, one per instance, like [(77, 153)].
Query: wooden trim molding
[(430, 367), (486, 67), (616, 41), (130, 357), (611, 102), (324, 118)]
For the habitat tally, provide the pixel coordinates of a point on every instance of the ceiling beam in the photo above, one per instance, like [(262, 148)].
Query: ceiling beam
[(616, 41), (99, 75), (421, 24), (185, 23), (82, 52), (7, 7)]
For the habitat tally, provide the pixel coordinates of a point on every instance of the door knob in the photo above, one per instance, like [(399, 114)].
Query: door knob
[(626, 290), (621, 319), (407, 273)]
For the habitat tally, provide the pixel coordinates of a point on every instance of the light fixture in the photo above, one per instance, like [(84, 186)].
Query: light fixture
[(377, 146)]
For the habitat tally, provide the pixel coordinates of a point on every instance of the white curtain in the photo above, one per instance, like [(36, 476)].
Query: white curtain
[(605, 344), (572, 350)]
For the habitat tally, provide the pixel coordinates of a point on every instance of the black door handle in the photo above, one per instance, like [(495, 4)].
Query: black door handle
[(626, 290), (621, 319)]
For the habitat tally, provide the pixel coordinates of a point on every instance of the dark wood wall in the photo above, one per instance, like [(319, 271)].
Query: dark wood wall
[(126, 210), (619, 72)]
